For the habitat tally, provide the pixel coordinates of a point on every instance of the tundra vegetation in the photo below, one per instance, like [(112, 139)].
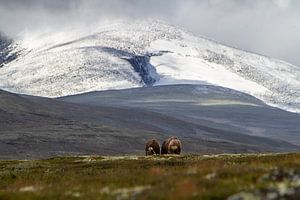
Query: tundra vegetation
[(226, 176)]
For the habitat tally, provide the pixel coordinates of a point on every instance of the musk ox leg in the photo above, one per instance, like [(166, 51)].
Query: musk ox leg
[(152, 148), (164, 149)]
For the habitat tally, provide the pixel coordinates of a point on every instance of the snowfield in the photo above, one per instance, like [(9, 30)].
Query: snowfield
[(142, 53), (185, 66)]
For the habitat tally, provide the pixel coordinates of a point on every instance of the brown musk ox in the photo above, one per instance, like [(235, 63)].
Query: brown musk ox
[(171, 146), (152, 148)]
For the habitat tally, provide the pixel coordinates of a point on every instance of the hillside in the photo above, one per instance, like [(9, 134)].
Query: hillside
[(35, 127), (205, 105)]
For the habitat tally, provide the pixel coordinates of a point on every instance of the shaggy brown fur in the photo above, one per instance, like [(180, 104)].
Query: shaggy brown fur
[(171, 146), (152, 148)]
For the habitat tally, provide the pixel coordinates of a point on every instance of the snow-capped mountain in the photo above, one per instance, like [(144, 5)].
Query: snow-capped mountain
[(142, 53)]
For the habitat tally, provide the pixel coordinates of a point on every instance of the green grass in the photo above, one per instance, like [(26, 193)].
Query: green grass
[(161, 177)]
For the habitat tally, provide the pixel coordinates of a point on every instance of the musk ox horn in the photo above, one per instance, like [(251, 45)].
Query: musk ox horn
[(171, 146), (152, 148)]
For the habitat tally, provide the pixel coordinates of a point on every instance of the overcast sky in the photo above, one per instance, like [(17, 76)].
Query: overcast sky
[(269, 27)]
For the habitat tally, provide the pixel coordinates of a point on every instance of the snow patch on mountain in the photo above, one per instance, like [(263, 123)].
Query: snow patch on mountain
[(185, 66)]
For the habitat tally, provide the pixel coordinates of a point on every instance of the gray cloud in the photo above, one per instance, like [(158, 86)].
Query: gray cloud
[(269, 27)]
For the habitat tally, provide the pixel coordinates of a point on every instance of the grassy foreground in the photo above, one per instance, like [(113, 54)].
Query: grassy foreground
[(253, 176)]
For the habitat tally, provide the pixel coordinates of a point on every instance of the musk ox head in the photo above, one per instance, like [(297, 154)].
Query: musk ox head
[(152, 148), (171, 146)]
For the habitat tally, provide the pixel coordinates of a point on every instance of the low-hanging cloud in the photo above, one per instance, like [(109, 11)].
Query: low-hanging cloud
[(269, 27)]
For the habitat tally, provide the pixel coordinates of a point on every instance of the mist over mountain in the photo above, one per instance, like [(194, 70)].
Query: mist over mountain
[(262, 26)]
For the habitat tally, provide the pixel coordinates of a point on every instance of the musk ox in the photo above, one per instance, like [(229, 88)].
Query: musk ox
[(152, 148), (171, 146)]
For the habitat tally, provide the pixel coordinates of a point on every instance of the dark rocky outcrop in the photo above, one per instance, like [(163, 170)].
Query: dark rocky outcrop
[(142, 66), (5, 50)]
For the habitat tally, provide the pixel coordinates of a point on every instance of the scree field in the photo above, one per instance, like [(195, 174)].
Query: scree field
[(237, 176)]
